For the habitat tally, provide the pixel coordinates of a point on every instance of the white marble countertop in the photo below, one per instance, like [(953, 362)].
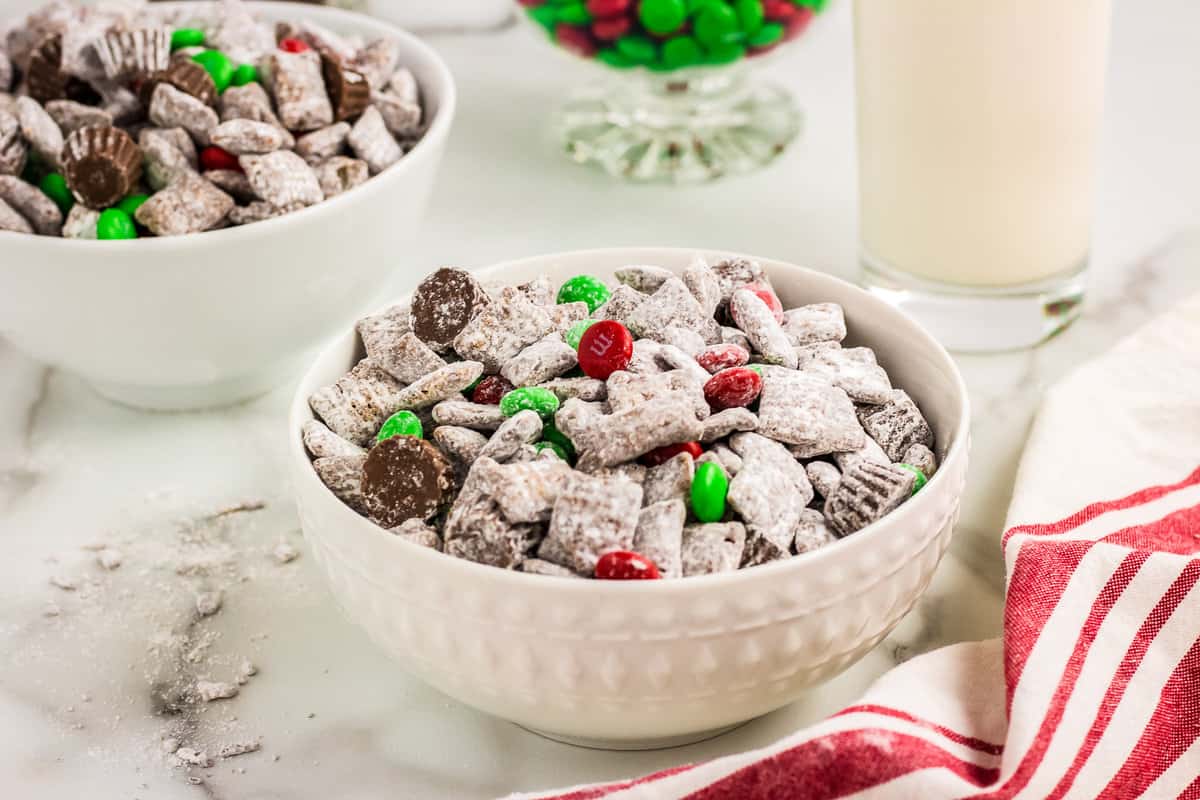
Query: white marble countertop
[(82, 672)]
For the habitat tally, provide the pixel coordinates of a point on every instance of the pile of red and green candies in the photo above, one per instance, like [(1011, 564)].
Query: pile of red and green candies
[(666, 35), (117, 222)]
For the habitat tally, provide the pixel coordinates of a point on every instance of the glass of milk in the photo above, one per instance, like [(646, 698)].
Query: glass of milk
[(977, 133)]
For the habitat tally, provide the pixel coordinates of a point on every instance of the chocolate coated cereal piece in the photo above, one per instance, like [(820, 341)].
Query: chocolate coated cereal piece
[(628, 391), (620, 304), (812, 532), (758, 322), (378, 61), (591, 517), (525, 492), (564, 315), (712, 547), (235, 184), (824, 477), (400, 118), (659, 535), (867, 492), (40, 130), (404, 355), (171, 108), (754, 447), (734, 273), (668, 480), (299, 88), (539, 362), (404, 85), (12, 146), (730, 461), (257, 211), (501, 330), (324, 443), (898, 426), (476, 530), (438, 385), (443, 304), (32, 204), (818, 322), (343, 476), (185, 75), (735, 336), (687, 341), (238, 34), (101, 164), (582, 388), (727, 421), (70, 116), (803, 409), (762, 549), (537, 566), (324, 40), (671, 306), (921, 457), (575, 416), (645, 358), (419, 533), (540, 292), (341, 174), (461, 445), (767, 501), (380, 331), (477, 416), (324, 143), (673, 358), (870, 451), (10, 220), (623, 436), (247, 137), (855, 370), (808, 353), (248, 102), (189, 205), (404, 477), (80, 223), (162, 161), (6, 72), (629, 471), (644, 277), (704, 285), (282, 179), (524, 427), (358, 403), (371, 141)]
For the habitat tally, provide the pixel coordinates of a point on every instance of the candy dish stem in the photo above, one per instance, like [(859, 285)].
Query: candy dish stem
[(686, 126), (664, 743)]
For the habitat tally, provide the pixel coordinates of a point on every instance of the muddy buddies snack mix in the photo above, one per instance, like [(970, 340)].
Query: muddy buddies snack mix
[(128, 119), (662, 427)]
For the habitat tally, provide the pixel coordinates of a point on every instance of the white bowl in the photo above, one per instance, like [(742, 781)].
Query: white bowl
[(647, 663), (216, 317)]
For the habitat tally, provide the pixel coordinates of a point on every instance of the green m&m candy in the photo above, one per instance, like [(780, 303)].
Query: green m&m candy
[(54, 186), (715, 24), (750, 14), (186, 37), (681, 51), (553, 435), (132, 203), (576, 331), (815, 5), (575, 13), (244, 74), (546, 16), (767, 35), (553, 448), (921, 480), (725, 53), (115, 224), (218, 66), (662, 16), (709, 487), (533, 398), (584, 288), (613, 57), (638, 49), (402, 423)]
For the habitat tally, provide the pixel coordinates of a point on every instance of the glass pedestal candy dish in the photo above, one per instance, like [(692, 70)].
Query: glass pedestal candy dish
[(680, 101)]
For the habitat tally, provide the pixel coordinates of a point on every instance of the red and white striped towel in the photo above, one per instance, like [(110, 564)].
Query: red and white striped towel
[(1095, 690)]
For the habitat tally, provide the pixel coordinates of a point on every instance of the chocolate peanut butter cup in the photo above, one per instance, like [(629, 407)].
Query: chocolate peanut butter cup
[(102, 165)]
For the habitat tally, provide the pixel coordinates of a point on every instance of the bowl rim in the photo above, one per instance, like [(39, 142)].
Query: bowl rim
[(302, 468), (425, 148)]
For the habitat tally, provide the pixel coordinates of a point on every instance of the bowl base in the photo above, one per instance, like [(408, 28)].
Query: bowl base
[(661, 743), (679, 128), (196, 397)]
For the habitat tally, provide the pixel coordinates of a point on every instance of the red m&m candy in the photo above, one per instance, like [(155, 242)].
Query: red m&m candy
[(610, 29), (722, 356), (607, 8), (732, 388), (768, 296), (660, 455), (626, 565), (575, 39), (290, 45), (605, 348), (489, 390), (213, 157)]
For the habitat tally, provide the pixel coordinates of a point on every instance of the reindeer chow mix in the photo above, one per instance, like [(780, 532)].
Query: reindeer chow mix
[(519, 426), (122, 120)]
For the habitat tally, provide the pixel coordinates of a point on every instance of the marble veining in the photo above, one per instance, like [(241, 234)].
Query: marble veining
[(88, 676)]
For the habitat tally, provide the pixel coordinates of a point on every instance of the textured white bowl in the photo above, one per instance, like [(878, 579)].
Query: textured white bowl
[(215, 317), (647, 663)]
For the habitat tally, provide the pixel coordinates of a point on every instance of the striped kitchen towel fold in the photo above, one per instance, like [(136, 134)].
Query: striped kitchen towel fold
[(1095, 690)]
